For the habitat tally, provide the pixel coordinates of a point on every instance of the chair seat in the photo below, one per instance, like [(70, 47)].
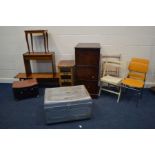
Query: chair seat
[(137, 76), (111, 80), (133, 83)]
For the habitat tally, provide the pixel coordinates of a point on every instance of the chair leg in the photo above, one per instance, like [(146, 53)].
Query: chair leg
[(119, 95), (100, 90), (141, 93), (139, 96)]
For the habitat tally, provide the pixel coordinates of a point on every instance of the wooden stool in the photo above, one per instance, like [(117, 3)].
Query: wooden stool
[(43, 33), (25, 89)]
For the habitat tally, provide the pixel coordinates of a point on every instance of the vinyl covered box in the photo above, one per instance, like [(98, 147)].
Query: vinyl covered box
[(67, 103)]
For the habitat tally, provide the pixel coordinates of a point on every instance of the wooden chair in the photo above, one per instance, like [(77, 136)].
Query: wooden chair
[(111, 83), (112, 71)]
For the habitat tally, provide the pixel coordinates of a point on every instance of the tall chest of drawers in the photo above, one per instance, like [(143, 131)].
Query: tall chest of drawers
[(87, 66)]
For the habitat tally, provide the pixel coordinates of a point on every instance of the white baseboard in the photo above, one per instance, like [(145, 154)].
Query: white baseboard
[(7, 80), (10, 80), (149, 84)]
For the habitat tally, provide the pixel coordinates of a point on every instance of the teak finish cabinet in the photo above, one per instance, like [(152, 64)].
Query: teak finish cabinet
[(66, 72), (87, 66)]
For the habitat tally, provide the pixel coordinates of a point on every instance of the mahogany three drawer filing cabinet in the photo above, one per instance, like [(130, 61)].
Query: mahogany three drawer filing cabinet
[(87, 66)]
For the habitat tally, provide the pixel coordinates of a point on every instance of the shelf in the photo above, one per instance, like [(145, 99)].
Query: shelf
[(38, 55), (66, 80), (68, 74), (65, 76), (66, 84), (37, 76)]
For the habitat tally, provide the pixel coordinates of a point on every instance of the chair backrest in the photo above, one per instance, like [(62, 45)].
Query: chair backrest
[(111, 57), (113, 65), (138, 68), (140, 60)]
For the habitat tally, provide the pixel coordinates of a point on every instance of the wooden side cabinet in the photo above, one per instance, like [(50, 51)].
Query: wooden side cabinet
[(87, 66), (66, 72)]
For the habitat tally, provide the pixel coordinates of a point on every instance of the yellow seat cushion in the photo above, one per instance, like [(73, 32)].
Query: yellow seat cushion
[(133, 83), (137, 76)]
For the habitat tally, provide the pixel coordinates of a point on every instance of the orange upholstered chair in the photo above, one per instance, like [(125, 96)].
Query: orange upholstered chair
[(135, 79)]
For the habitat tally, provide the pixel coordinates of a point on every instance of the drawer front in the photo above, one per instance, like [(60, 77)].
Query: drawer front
[(87, 73), (91, 86), (38, 57), (87, 56)]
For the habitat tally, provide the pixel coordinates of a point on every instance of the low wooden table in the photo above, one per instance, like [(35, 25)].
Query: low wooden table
[(23, 76), (28, 56)]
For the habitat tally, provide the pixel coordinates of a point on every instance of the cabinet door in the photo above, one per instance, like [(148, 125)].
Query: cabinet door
[(86, 73), (87, 56)]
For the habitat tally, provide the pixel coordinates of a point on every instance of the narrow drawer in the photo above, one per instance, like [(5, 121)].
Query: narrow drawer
[(65, 69), (65, 76), (87, 56)]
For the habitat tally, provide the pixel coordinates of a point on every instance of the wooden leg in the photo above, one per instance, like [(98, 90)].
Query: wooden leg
[(31, 42), (53, 63), (47, 41), (27, 66), (44, 41), (27, 41), (59, 71)]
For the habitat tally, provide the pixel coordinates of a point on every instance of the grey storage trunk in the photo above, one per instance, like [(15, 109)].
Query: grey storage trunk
[(67, 103)]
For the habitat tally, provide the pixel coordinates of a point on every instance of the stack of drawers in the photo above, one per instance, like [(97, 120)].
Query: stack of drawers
[(87, 66), (66, 72)]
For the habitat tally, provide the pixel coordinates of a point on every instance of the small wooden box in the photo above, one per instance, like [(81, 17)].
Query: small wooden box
[(25, 89)]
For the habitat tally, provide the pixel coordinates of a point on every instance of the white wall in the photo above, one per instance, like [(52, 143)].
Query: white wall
[(128, 41)]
